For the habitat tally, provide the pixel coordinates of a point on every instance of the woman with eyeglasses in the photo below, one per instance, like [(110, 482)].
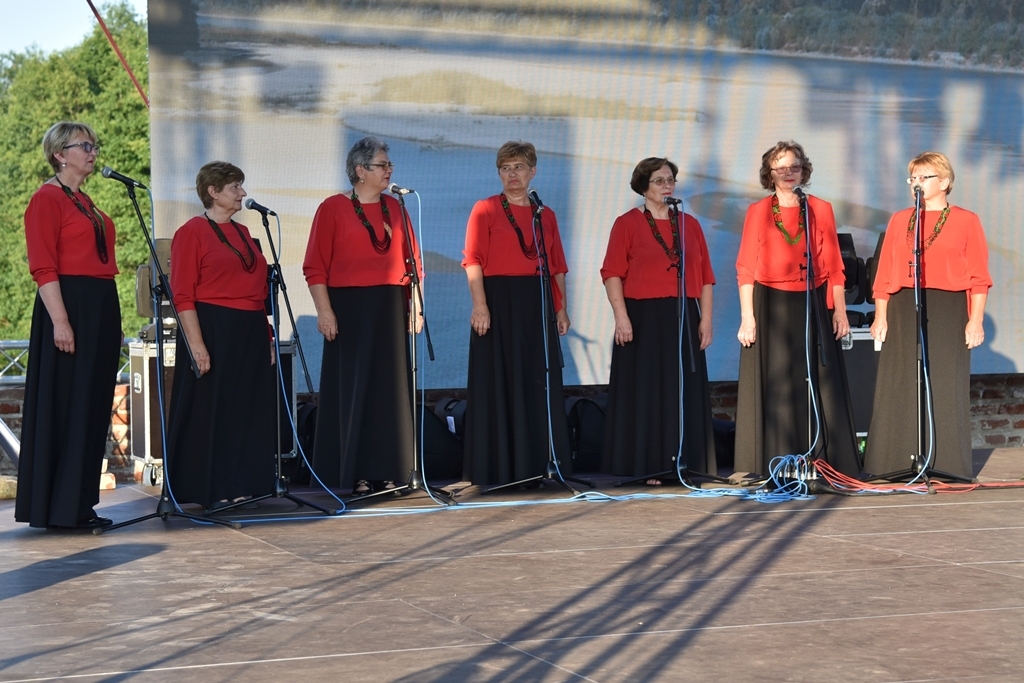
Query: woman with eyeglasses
[(507, 408), (221, 428), (954, 290), (75, 342), (357, 272), (641, 274), (783, 360)]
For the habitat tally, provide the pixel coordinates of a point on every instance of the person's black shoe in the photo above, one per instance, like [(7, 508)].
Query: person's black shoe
[(96, 522)]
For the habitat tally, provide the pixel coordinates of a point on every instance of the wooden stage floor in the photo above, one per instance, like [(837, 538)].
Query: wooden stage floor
[(678, 588)]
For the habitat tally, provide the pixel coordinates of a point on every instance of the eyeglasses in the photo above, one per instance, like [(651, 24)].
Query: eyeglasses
[(919, 178), (517, 168), (87, 147), (662, 182), (784, 170), (389, 165)]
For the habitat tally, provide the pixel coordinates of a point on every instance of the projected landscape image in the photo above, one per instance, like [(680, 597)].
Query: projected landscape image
[(283, 89)]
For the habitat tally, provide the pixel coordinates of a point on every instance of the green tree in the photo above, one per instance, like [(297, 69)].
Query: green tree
[(84, 83)]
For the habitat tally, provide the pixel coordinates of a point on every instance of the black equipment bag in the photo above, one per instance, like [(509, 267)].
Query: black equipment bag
[(586, 418)]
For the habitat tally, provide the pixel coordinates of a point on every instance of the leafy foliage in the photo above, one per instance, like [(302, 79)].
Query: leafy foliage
[(84, 83)]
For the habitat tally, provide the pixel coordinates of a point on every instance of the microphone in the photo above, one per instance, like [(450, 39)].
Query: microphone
[(251, 204), (799, 191), (536, 199), (917, 191), (108, 172), (672, 201), (393, 188)]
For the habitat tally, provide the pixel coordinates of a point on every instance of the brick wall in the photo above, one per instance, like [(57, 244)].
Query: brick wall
[(997, 411), (118, 443)]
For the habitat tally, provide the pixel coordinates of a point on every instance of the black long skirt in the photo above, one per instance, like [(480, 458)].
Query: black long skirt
[(222, 427), (772, 411), (507, 402), (364, 424), (68, 399), (642, 430), (893, 436)]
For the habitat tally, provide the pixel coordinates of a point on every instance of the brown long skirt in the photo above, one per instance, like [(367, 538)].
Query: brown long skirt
[(893, 436), (773, 415)]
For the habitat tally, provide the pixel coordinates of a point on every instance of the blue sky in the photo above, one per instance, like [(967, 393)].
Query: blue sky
[(49, 24)]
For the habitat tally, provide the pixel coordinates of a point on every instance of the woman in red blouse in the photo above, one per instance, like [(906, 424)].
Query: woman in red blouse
[(356, 269), (75, 344), (773, 403), (641, 277), (222, 424), (507, 408), (955, 283)]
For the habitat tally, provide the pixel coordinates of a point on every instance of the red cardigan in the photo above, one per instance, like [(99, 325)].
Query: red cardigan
[(492, 244), (766, 257), (340, 254), (205, 269), (956, 261), (636, 256), (60, 240)]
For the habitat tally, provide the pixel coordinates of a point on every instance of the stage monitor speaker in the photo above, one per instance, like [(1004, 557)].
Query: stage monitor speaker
[(145, 279), (861, 369), (145, 425)]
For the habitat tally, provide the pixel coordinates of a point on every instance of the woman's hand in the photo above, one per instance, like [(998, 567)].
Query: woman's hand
[(840, 324), (748, 331), (623, 330), (202, 357), (975, 334), (562, 322), (64, 337), (480, 319), (327, 323), (880, 326), (416, 326), (704, 332)]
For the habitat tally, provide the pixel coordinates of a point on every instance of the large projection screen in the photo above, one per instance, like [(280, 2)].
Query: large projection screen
[(283, 89)]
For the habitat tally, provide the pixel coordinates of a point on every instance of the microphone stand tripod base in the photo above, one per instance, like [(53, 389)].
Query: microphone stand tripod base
[(551, 473), (415, 483)]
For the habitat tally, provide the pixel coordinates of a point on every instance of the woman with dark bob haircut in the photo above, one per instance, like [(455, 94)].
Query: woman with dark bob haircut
[(75, 343), (641, 277), (222, 424), (954, 285), (507, 406), (356, 269), (773, 403)]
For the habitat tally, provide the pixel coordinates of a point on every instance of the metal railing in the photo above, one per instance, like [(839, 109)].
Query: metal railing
[(14, 360)]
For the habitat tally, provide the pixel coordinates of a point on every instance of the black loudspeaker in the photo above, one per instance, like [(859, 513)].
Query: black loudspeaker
[(586, 420), (442, 450), (452, 412), (861, 360)]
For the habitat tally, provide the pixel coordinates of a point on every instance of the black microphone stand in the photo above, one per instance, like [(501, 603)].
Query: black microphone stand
[(415, 480), (684, 323), (167, 506), (276, 282), (921, 464), (551, 471), (818, 312)]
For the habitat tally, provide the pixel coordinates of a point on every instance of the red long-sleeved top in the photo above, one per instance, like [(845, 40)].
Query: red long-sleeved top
[(766, 257), (204, 269), (956, 261), (60, 240), (492, 244), (339, 252), (640, 261)]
